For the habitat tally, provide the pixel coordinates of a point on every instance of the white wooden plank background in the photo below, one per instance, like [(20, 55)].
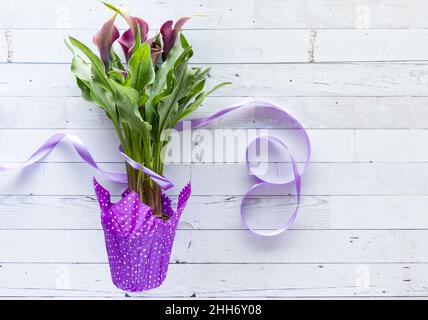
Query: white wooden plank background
[(362, 229)]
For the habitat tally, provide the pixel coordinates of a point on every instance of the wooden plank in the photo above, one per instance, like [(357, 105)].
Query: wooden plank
[(223, 14), (328, 145), (205, 280), (70, 212), (201, 146), (77, 177), (353, 79), (208, 45), (391, 145), (313, 112), (230, 179), (369, 45), (320, 179), (295, 45), (222, 212), (225, 246)]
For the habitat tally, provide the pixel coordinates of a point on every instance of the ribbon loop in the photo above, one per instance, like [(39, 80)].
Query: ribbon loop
[(266, 182)]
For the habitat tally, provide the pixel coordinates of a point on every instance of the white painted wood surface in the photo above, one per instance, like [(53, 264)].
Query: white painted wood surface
[(360, 87)]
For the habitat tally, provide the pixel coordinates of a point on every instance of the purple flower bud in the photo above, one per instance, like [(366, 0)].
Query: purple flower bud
[(127, 40), (169, 34), (104, 40)]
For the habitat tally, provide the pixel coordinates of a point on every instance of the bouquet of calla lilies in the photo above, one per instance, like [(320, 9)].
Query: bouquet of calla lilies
[(144, 97), (144, 94)]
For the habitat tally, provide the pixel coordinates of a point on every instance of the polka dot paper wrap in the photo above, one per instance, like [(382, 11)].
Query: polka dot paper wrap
[(138, 243)]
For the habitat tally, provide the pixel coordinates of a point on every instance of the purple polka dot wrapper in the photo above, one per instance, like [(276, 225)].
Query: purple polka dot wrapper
[(138, 243)]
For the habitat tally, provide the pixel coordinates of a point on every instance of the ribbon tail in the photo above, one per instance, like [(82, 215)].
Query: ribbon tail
[(78, 146)]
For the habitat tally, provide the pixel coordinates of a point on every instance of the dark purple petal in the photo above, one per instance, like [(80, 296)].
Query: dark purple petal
[(127, 40), (167, 38), (179, 24), (104, 39), (169, 34), (144, 27)]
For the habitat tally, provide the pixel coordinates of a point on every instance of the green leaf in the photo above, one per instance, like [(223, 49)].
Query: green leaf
[(143, 99), (95, 60), (81, 69), (160, 89), (92, 80), (182, 81), (140, 69), (111, 7), (117, 75), (104, 98), (115, 61), (127, 103), (84, 87), (192, 107), (137, 43), (202, 74), (187, 83), (197, 102), (218, 87), (97, 66), (184, 43), (192, 93)]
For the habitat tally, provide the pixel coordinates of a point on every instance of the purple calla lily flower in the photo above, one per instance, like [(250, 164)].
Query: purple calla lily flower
[(169, 34), (105, 38), (127, 40)]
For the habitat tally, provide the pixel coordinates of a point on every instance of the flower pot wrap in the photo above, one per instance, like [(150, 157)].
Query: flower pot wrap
[(138, 243)]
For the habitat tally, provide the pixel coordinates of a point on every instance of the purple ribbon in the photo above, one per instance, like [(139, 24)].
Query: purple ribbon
[(80, 148), (264, 182), (163, 182), (86, 156), (166, 184)]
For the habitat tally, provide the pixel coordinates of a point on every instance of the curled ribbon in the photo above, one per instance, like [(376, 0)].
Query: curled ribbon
[(264, 182), (81, 150), (166, 184)]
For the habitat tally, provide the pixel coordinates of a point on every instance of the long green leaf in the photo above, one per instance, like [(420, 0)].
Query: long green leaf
[(127, 103), (218, 87), (81, 69), (197, 102), (95, 60), (182, 82), (160, 88), (111, 7), (91, 80), (140, 69), (98, 70), (85, 88), (192, 107), (105, 99)]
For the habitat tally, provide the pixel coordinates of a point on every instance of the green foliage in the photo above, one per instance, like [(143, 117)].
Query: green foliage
[(143, 99), (141, 72)]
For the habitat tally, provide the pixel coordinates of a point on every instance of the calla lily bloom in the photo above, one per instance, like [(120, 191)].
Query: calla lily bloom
[(169, 34), (104, 39), (127, 40)]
